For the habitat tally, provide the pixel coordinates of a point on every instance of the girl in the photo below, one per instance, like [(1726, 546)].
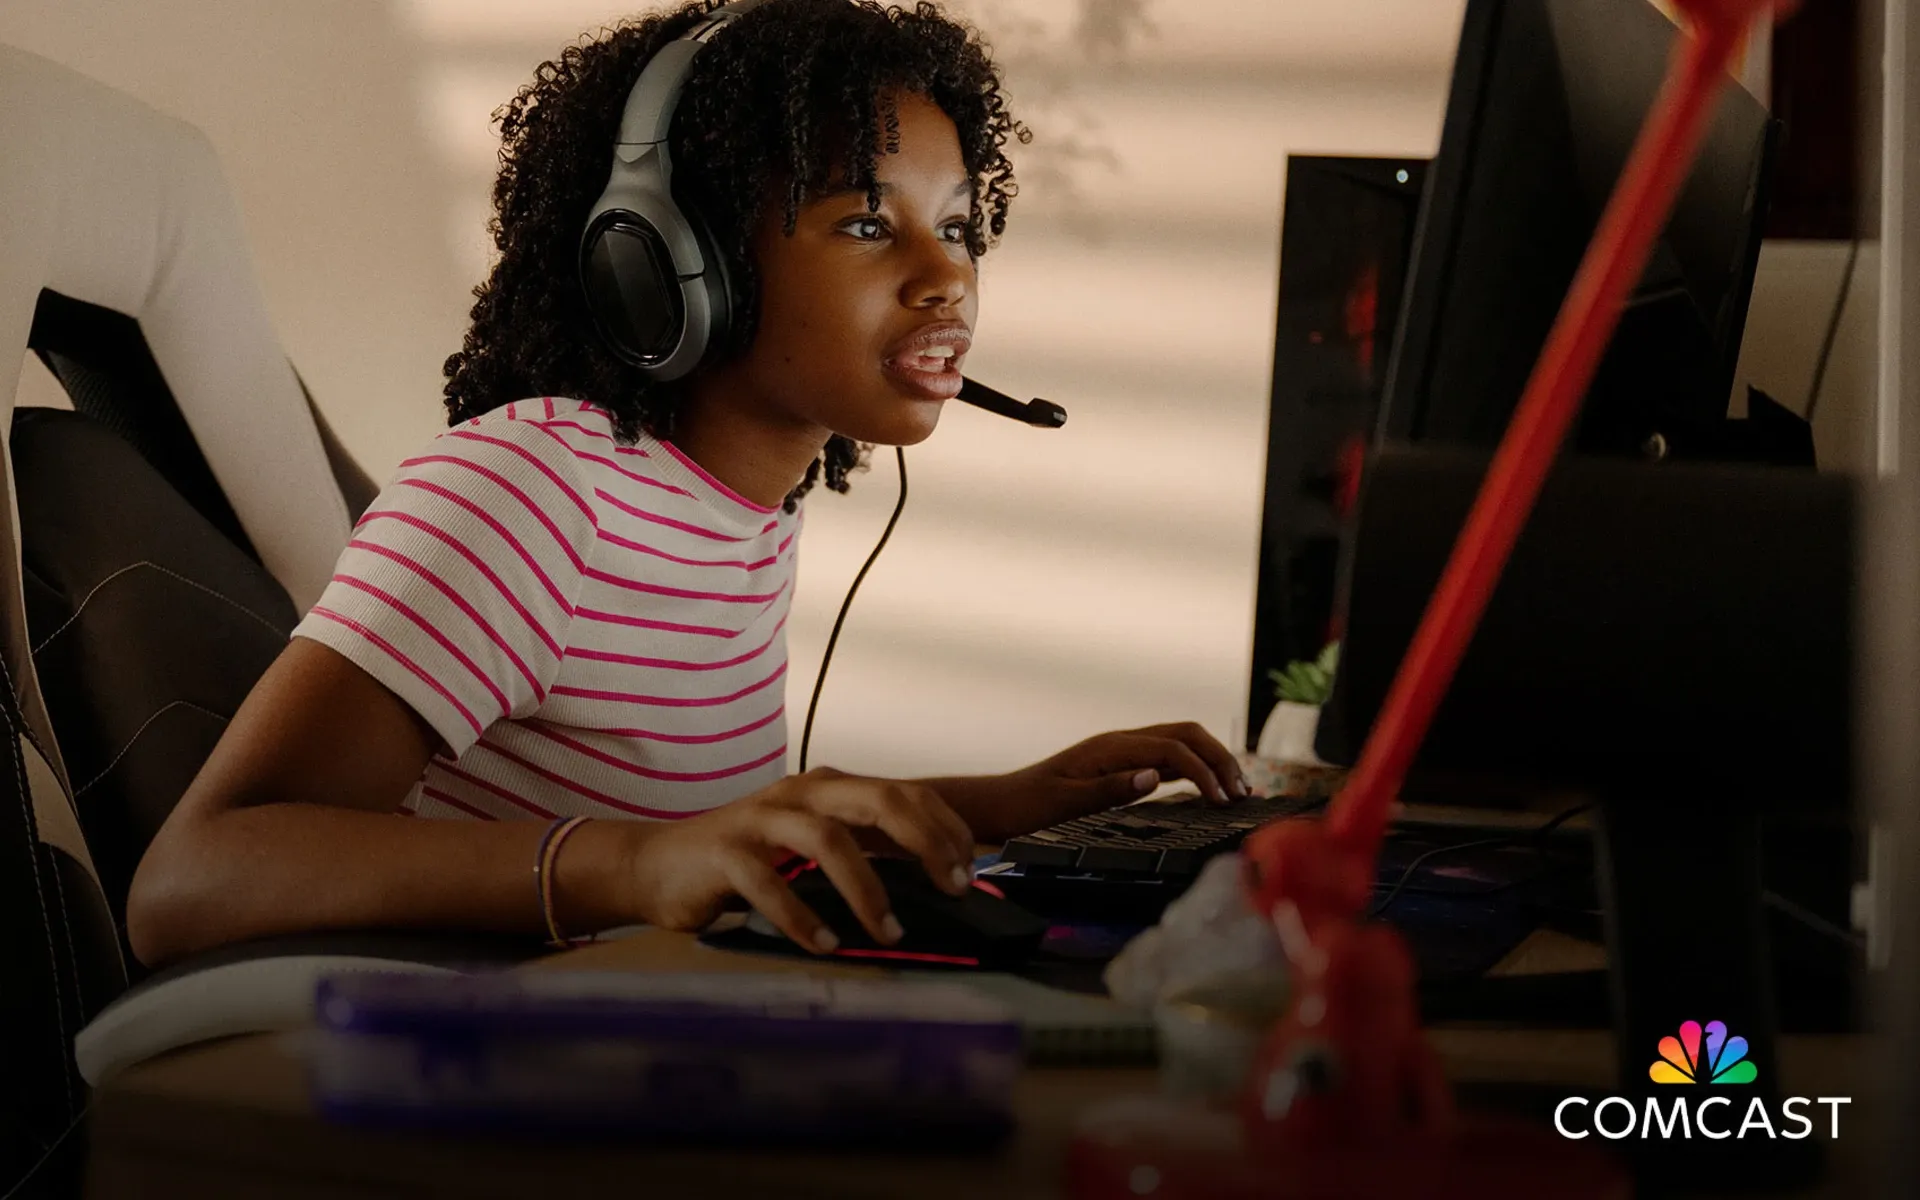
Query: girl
[(571, 605)]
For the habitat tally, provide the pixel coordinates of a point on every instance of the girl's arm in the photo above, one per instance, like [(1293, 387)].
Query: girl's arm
[(293, 824), (1096, 774)]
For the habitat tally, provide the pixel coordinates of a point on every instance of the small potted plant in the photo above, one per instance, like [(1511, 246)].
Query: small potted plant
[(1301, 689)]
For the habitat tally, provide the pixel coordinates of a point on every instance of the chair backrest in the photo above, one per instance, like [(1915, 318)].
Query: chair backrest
[(149, 627), (123, 265)]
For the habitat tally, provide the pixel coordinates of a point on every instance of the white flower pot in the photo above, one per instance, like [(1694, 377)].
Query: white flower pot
[(1288, 734)]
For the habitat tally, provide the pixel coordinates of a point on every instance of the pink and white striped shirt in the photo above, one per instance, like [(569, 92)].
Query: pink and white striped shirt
[(593, 629)]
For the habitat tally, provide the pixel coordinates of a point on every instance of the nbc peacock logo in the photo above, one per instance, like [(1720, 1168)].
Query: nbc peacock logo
[(1725, 1060)]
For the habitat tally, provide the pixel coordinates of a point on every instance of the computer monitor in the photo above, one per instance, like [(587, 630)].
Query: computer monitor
[(1608, 653), (1346, 236), (1547, 98)]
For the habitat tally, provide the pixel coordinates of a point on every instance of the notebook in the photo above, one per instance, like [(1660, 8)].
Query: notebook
[(1063, 1028)]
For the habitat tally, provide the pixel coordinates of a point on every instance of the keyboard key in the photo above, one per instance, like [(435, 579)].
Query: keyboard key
[(1186, 860), (1040, 854)]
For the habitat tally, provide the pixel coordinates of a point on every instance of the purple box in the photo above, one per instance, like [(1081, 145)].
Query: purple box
[(770, 1058)]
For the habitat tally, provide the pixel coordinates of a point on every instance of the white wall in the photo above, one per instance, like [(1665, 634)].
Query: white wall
[(1795, 288), (1043, 585)]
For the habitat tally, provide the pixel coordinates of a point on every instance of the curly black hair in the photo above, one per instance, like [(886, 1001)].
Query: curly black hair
[(786, 103)]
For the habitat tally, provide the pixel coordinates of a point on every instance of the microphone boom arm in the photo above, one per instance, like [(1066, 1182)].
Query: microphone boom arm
[(1042, 413)]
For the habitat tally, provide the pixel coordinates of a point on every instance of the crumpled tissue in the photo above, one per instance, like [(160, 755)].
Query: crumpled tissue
[(1215, 977)]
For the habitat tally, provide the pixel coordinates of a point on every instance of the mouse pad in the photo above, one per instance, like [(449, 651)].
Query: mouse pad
[(1070, 957), (1464, 907), (754, 937), (1461, 911)]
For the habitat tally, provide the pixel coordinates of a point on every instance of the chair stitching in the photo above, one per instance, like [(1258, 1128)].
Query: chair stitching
[(25, 728), (88, 599), (66, 928), (162, 711), (33, 860)]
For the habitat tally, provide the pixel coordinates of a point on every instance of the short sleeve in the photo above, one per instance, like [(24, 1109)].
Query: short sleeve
[(457, 589)]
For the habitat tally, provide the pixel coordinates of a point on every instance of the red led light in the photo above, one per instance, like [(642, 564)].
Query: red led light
[(952, 960)]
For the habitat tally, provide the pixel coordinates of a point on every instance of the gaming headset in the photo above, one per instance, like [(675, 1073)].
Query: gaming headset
[(654, 281)]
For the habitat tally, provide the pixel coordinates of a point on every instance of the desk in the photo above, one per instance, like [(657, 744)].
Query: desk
[(232, 1119)]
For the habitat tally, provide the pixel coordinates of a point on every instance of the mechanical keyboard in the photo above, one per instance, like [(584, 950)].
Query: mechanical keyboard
[(1169, 838)]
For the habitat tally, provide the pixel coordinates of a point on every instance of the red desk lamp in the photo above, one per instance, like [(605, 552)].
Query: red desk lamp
[(1346, 1097)]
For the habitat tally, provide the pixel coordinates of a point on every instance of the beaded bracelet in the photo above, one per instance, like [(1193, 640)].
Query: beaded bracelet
[(543, 861)]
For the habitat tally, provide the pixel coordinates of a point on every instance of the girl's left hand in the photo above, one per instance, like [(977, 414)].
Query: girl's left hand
[(1110, 769)]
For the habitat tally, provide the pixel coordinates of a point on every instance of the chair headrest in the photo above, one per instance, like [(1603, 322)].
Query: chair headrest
[(113, 203)]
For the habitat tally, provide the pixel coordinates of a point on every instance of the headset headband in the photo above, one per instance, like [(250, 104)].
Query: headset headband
[(657, 291), (651, 103)]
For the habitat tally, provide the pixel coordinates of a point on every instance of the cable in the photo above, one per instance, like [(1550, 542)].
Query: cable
[(1813, 920), (1401, 883), (1833, 329), (1771, 899), (52, 1149), (806, 734), (1533, 835)]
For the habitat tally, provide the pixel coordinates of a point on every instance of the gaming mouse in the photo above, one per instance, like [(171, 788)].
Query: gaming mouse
[(978, 929)]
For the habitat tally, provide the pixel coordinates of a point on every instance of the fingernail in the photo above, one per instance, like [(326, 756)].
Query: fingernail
[(961, 880), (826, 940), (1144, 781), (890, 930)]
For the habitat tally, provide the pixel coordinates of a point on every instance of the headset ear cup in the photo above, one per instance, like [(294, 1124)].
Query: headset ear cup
[(729, 321), (627, 275)]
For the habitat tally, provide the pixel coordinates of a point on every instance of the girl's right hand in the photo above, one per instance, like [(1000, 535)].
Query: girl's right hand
[(679, 876)]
